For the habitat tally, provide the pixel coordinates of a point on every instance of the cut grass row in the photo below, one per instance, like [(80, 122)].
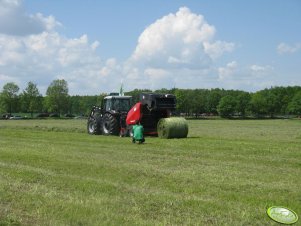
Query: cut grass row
[(225, 173)]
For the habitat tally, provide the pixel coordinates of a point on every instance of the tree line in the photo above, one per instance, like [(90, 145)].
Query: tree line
[(57, 100), (190, 102), (235, 103)]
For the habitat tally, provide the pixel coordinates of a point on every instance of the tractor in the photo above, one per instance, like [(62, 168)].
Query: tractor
[(117, 113)]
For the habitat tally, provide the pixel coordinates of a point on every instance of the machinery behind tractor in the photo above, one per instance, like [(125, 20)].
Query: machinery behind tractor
[(117, 113)]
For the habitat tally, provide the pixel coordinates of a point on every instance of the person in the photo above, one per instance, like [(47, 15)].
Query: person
[(138, 133)]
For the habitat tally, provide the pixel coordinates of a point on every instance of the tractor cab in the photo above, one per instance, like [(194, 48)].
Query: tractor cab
[(116, 104)]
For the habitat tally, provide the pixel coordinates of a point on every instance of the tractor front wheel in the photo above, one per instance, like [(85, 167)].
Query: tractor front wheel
[(93, 126), (109, 125)]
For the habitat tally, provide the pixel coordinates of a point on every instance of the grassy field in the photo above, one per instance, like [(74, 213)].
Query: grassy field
[(227, 172)]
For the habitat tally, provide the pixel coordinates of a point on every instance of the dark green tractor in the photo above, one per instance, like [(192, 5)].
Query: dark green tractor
[(110, 117)]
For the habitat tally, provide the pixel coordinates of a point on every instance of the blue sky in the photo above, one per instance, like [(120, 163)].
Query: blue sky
[(96, 45)]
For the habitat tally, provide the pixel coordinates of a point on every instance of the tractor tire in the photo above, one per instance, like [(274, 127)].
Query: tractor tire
[(109, 125), (93, 127)]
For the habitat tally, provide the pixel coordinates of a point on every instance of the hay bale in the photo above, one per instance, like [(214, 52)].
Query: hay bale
[(172, 128)]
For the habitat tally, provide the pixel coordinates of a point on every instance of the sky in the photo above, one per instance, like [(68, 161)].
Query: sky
[(98, 45)]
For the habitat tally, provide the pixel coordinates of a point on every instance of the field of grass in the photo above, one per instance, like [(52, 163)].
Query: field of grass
[(227, 172)]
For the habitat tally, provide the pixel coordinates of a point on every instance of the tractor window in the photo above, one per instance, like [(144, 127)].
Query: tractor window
[(122, 104), (108, 105)]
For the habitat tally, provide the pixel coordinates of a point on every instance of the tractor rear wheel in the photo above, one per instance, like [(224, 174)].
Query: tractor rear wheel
[(109, 125), (93, 126)]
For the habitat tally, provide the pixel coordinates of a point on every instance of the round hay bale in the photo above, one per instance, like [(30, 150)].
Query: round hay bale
[(172, 128)]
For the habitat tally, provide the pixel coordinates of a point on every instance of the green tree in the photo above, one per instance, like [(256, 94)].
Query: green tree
[(9, 97), (2, 110), (243, 103), (226, 107), (74, 106), (272, 102), (212, 100), (198, 101), (87, 102), (163, 91), (283, 98), (31, 99), (57, 96), (183, 102), (294, 106), (258, 104)]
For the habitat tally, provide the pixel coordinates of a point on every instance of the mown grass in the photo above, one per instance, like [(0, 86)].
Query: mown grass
[(227, 172)]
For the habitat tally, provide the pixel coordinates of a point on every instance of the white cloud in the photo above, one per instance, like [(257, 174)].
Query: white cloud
[(156, 77), (8, 6), (15, 21), (261, 71), (47, 56), (180, 40), (283, 48), (251, 77), (216, 49), (5, 79), (94, 45), (49, 23), (178, 49), (228, 71), (111, 67)]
